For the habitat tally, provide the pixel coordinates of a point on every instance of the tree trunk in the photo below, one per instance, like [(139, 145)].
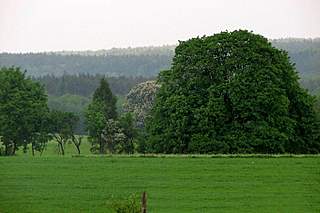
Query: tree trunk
[(61, 148), (42, 149), (14, 148), (78, 148), (101, 147), (111, 145), (32, 147), (60, 144), (76, 142), (6, 151)]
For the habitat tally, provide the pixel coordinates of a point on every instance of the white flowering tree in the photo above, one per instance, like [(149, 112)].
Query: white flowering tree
[(140, 99)]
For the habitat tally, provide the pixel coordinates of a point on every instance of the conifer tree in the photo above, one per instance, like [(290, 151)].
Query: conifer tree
[(100, 110)]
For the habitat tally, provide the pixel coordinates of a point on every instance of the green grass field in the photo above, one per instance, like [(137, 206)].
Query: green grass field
[(54, 183)]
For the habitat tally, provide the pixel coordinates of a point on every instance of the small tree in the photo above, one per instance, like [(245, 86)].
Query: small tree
[(95, 123), (62, 127), (100, 110), (113, 137), (77, 140)]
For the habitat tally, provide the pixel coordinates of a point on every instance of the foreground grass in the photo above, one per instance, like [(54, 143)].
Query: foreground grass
[(66, 184)]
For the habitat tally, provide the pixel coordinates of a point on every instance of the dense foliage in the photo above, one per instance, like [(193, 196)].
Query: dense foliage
[(23, 111), (232, 93)]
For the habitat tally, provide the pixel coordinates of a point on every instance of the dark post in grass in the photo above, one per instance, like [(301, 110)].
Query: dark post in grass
[(144, 203)]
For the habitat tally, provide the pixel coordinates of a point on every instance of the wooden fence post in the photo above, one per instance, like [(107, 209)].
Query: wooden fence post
[(144, 203)]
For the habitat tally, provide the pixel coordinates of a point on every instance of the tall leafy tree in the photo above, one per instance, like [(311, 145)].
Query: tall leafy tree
[(100, 110), (232, 93), (23, 107)]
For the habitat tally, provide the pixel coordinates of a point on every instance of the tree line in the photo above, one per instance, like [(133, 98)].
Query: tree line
[(73, 93), (85, 84), (143, 61), (232, 92), (40, 64), (26, 122)]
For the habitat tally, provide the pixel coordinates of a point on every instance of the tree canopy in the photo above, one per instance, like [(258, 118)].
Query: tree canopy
[(232, 92)]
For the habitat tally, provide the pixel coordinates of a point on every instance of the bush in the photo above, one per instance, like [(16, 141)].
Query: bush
[(129, 205)]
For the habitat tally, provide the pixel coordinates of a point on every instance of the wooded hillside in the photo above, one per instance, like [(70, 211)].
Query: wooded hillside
[(142, 61)]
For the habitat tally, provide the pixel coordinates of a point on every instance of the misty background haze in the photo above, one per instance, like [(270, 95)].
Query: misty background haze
[(44, 25)]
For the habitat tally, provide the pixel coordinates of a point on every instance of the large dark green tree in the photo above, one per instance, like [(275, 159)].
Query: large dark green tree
[(23, 110), (232, 92), (100, 110)]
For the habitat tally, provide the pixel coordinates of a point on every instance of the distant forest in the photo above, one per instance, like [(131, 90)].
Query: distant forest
[(85, 84), (114, 62), (143, 61)]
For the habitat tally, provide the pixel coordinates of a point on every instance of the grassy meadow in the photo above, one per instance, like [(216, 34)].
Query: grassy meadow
[(53, 183)]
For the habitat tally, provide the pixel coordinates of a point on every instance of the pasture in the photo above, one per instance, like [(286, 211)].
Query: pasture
[(175, 184)]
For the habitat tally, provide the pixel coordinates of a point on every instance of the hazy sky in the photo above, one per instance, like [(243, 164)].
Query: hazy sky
[(48, 25)]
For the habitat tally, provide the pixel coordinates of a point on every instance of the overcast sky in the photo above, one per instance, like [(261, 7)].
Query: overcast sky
[(49, 25)]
